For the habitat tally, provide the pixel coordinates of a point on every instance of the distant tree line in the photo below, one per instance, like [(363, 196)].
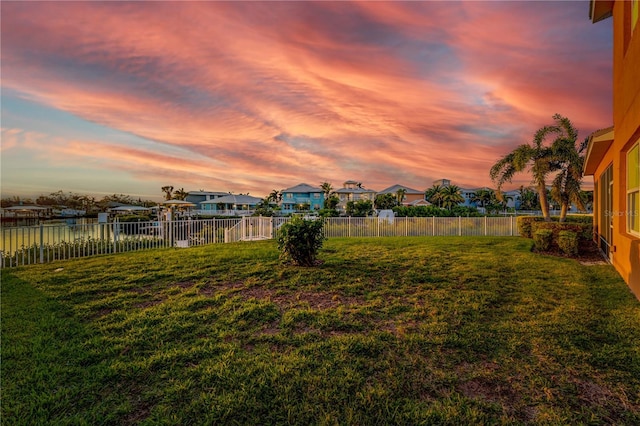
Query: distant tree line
[(90, 204)]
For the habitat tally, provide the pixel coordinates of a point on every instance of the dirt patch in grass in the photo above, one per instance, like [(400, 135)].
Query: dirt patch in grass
[(316, 300), (149, 303), (102, 312), (185, 284)]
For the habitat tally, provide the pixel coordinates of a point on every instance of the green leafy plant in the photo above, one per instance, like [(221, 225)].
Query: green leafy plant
[(568, 242), (524, 225), (300, 239), (542, 239)]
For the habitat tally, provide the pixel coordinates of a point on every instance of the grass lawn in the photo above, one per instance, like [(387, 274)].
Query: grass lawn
[(385, 331)]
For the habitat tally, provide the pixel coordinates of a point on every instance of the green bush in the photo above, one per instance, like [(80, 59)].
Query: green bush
[(581, 224), (542, 239), (524, 225), (584, 230), (300, 239), (568, 242)]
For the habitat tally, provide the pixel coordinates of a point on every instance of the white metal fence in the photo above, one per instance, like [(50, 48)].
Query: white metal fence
[(46, 243)]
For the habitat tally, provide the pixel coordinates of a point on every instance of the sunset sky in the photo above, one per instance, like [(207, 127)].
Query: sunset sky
[(116, 97)]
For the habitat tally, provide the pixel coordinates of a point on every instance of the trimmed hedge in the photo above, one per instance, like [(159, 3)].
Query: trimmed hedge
[(524, 225), (581, 224), (568, 242), (554, 235), (543, 239)]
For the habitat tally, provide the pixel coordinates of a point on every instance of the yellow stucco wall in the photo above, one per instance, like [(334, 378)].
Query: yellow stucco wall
[(626, 121)]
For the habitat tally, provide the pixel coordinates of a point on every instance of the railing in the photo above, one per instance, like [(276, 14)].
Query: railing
[(250, 229), (47, 243)]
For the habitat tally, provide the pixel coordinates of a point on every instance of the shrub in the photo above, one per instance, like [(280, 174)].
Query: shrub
[(568, 242), (542, 239), (525, 224), (584, 230), (300, 239)]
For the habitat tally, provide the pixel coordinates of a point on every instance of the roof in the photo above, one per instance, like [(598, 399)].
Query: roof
[(600, 10), (394, 189), (234, 199), (303, 187), (208, 193), (599, 143), (353, 190), (129, 209), (419, 203)]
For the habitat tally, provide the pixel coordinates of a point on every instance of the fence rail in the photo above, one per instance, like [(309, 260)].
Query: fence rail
[(47, 243)]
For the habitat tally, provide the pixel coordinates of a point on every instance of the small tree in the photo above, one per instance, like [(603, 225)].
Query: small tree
[(360, 208), (300, 239), (385, 201)]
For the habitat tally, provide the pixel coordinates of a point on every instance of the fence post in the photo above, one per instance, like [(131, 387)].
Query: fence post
[(433, 226), (485, 226), (349, 226), (459, 226), (511, 223), (113, 231), (41, 243)]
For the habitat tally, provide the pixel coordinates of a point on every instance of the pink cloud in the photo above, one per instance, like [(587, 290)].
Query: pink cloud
[(265, 95)]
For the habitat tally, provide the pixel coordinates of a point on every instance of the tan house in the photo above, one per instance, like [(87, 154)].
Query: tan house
[(411, 196), (613, 154), (353, 191)]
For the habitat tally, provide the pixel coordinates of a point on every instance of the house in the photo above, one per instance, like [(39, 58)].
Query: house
[(353, 191), (410, 195), (301, 197), (230, 205), (442, 182), (196, 197), (613, 154)]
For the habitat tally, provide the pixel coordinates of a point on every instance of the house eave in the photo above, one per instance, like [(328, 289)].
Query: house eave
[(600, 10), (599, 143)]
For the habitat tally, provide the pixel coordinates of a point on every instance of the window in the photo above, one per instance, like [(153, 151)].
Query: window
[(605, 212), (633, 189)]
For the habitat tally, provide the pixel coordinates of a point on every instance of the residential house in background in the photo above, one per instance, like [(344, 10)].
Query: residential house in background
[(410, 195), (469, 194), (442, 182), (230, 205), (196, 197), (353, 191), (613, 154), (301, 197)]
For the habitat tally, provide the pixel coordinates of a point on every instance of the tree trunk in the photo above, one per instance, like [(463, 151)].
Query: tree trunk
[(564, 207), (544, 203)]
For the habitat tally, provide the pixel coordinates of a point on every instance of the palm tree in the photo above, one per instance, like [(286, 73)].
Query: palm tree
[(327, 189), (538, 157), (274, 196), (482, 197), (180, 194), (434, 195), (168, 190), (528, 199), (451, 197), (400, 193), (565, 188)]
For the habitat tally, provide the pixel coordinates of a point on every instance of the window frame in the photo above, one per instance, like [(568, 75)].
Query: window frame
[(631, 191)]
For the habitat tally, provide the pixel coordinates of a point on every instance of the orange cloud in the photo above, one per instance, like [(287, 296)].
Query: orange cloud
[(265, 95)]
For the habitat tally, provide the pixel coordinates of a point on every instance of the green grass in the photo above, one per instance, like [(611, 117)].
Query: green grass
[(385, 331)]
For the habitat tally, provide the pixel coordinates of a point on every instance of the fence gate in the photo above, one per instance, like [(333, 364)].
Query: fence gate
[(250, 229)]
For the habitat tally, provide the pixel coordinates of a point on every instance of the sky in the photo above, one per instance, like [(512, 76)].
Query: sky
[(247, 97)]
